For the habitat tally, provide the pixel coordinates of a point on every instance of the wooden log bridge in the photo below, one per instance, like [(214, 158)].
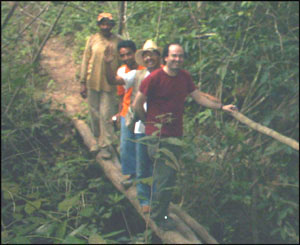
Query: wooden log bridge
[(57, 61), (189, 231)]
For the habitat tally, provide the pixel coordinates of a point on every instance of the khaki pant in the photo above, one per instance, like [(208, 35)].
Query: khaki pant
[(102, 106)]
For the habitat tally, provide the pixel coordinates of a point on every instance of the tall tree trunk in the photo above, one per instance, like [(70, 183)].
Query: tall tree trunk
[(121, 17)]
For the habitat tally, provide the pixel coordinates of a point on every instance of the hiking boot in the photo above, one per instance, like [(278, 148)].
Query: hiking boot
[(129, 181), (106, 153), (167, 224)]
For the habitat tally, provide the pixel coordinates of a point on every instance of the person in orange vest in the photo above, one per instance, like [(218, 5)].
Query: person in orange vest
[(127, 50), (150, 57)]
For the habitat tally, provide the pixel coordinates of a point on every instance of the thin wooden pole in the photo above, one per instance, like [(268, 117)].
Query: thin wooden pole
[(265, 130)]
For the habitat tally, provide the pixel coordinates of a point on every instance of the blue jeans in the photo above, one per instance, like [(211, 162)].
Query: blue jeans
[(127, 149), (144, 169)]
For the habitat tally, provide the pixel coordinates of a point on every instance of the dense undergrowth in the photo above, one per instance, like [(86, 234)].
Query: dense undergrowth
[(53, 190), (240, 184)]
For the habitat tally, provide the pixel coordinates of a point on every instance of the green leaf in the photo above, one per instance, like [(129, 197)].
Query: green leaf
[(61, 231), (30, 207), (79, 229), (87, 211), (73, 240), (147, 181), (46, 229), (172, 161), (50, 84), (265, 76), (113, 233), (18, 216), (202, 116), (238, 35), (9, 189), (107, 215), (20, 240), (96, 239), (68, 203), (221, 71), (173, 141)]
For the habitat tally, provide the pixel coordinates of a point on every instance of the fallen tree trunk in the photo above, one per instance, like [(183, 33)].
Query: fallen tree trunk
[(170, 237), (112, 169), (199, 229), (113, 172)]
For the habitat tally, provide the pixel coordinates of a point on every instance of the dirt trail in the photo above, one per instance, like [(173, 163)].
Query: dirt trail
[(56, 59)]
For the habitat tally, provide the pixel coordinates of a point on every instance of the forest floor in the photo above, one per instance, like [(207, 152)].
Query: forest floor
[(56, 59)]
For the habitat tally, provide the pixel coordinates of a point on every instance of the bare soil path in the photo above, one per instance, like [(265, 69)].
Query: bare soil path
[(56, 59)]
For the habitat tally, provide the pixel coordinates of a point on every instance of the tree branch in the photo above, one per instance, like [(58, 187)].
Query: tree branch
[(31, 22), (49, 33), (9, 15), (35, 58), (30, 15)]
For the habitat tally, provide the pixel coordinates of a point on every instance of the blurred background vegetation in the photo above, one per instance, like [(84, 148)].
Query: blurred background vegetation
[(241, 185)]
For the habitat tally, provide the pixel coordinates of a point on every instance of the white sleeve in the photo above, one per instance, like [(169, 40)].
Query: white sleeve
[(129, 79), (121, 71)]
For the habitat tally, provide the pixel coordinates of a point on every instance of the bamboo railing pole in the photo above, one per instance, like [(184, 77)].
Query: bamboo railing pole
[(265, 130)]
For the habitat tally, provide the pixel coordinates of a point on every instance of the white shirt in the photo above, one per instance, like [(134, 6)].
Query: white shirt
[(129, 81)]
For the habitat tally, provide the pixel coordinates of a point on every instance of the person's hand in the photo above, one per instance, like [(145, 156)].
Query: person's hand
[(229, 108), (116, 121), (83, 90), (108, 54)]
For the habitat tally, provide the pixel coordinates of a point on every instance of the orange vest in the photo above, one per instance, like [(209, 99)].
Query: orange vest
[(127, 94)]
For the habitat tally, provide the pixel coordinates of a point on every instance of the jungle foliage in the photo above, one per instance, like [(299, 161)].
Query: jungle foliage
[(240, 184)]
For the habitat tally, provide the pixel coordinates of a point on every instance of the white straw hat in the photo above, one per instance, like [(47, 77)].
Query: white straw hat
[(148, 46)]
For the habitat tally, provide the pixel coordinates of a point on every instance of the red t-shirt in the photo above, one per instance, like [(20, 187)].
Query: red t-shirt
[(166, 94)]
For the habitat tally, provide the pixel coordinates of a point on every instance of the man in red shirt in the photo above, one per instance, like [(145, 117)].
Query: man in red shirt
[(165, 91)]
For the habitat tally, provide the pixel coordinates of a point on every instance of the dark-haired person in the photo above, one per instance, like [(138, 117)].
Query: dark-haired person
[(127, 49), (164, 91), (150, 57), (94, 85)]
